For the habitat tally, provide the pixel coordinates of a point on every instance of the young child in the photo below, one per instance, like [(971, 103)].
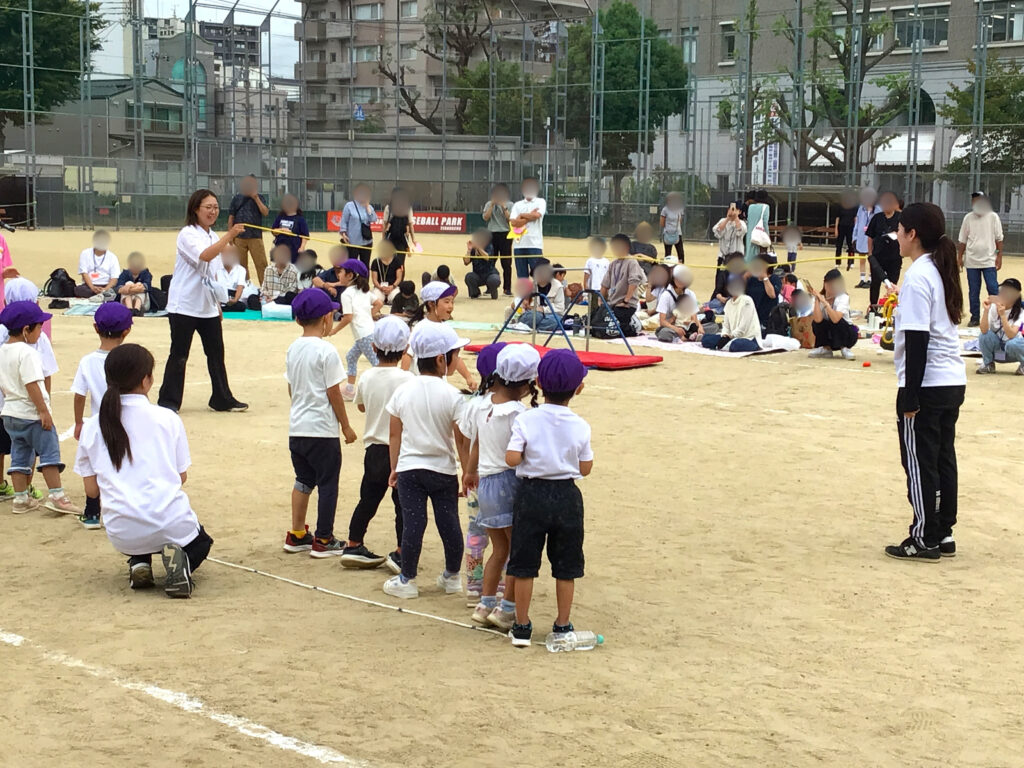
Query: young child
[(521, 293), (424, 414), (672, 226), (330, 279), (307, 268), (548, 312), (112, 322), (373, 392), (437, 307), (406, 303), (235, 279), (832, 327), (792, 238), (280, 281), (597, 264), (26, 410), (741, 329), (386, 272), (550, 450), (314, 374), (358, 308), (484, 273), (621, 283), (497, 483), (135, 454), (134, 284), (290, 227)]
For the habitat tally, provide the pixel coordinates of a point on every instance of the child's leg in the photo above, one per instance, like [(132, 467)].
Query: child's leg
[(376, 468), (476, 544), (565, 543), (305, 481), (564, 589), (398, 517), (526, 545), (351, 359), (328, 469), (444, 498), (500, 539), (524, 594), (413, 494), (51, 476), (365, 345)]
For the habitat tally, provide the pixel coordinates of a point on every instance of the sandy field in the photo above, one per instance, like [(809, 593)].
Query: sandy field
[(735, 523)]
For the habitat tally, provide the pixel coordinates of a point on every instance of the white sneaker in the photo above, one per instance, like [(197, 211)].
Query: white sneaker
[(501, 619), (396, 588), (848, 354), (472, 598), (452, 585), (480, 614), (820, 352)]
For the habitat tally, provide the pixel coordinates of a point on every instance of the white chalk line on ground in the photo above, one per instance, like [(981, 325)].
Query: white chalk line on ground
[(189, 704)]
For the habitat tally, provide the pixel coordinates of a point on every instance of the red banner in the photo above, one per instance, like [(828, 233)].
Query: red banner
[(422, 222)]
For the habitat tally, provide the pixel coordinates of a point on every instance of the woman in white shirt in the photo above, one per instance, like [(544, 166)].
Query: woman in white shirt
[(931, 379), (832, 328), (193, 304), (741, 329)]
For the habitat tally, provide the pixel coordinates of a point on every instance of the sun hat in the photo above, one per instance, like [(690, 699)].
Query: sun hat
[(436, 290), (487, 358), (517, 362), (312, 303), (560, 370), (19, 314), (113, 317), (433, 339), (356, 267), (391, 334)]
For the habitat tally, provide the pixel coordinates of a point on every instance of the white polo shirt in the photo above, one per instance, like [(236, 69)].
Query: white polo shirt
[(373, 391), (533, 237), (493, 432), (90, 378), (922, 307), (190, 292), (428, 408), (553, 441), (312, 366), (102, 270), (144, 506)]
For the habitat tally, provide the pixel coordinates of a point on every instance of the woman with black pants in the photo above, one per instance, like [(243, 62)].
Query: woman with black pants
[(193, 306), (931, 379), (886, 262), (496, 213)]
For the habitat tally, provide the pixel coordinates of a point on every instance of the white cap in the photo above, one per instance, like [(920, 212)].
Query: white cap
[(430, 339), (517, 362), (682, 274), (436, 290), (20, 289), (391, 334)]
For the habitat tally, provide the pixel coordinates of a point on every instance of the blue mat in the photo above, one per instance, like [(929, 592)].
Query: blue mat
[(254, 314)]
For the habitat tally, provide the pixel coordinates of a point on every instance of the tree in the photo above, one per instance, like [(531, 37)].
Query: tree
[(56, 39), (474, 87)]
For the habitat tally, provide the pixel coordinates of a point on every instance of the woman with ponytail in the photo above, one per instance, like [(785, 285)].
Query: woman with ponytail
[(136, 454), (931, 379)]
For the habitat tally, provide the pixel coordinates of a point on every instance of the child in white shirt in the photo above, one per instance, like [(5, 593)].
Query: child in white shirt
[(597, 265), (235, 279), (358, 308)]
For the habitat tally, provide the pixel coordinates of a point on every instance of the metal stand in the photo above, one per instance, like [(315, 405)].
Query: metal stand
[(586, 322), (541, 300)]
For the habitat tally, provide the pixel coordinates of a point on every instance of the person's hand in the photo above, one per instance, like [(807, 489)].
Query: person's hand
[(10, 272), (96, 289), (46, 421), (78, 430), (960, 262), (387, 290), (680, 332), (999, 261), (472, 385), (911, 414), (393, 479), (331, 290), (236, 230), (349, 433), (343, 237), (470, 480), (987, 302)]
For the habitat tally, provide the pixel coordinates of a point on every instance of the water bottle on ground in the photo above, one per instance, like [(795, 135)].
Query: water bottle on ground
[(581, 640)]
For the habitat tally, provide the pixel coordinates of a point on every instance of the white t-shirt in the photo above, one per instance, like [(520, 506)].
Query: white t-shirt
[(553, 441), (493, 432), (234, 277), (90, 378), (922, 307), (144, 506), (312, 366), (471, 406), (596, 268), (359, 304), (20, 364), (102, 270), (190, 292), (980, 234), (373, 391), (428, 407), (841, 303), (533, 237), (673, 221), (667, 301)]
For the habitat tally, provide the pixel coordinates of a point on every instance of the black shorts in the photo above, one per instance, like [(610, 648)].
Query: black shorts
[(551, 510), (5, 441)]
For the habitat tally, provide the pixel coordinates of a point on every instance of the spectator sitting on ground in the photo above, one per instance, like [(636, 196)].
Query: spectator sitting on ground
[(134, 284), (741, 330), (330, 279), (308, 268), (832, 327), (405, 301)]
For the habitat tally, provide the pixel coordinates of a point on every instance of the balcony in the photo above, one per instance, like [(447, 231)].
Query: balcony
[(310, 70), (322, 31), (340, 71)]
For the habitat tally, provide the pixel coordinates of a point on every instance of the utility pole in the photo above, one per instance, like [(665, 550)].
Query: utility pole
[(984, 32)]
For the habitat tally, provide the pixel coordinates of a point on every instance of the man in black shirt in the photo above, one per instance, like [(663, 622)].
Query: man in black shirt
[(842, 230), (249, 207), (886, 262)]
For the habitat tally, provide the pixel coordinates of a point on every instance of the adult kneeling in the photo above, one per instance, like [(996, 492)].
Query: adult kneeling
[(193, 305)]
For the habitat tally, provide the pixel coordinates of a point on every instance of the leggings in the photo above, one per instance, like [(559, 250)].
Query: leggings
[(844, 238), (476, 544), (373, 489), (415, 486), (884, 268), (364, 347), (678, 245)]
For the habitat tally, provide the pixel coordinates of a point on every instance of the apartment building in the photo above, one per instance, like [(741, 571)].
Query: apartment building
[(233, 44)]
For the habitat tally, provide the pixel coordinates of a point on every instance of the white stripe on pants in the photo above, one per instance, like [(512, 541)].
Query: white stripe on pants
[(914, 475)]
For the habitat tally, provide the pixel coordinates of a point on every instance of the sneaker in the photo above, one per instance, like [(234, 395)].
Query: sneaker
[(947, 547), (235, 407), (90, 523), (820, 352), (908, 550), (503, 620), (62, 504), (452, 585), (397, 588), (361, 557), (847, 354), (472, 598), (557, 630), (480, 614), (179, 575), (973, 323), (6, 491), (393, 562), (521, 634), (863, 284), (23, 504), (986, 368), (348, 392), (332, 548), (35, 493), (294, 544), (140, 576)]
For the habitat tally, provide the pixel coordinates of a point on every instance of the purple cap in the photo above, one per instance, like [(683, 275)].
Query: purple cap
[(18, 314), (487, 358), (356, 267), (560, 370), (311, 304), (113, 317)]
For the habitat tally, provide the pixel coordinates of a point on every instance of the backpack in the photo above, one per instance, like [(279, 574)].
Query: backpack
[(60, 285), (778, 320)]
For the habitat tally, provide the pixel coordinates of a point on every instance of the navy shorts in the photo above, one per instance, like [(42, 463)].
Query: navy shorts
[(28, 440), (551, 512)]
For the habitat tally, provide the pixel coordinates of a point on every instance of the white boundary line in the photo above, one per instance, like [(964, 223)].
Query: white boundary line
[(189, 704)]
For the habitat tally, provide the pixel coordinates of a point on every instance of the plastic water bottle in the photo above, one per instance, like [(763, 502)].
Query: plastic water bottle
[(582, 640), (471, 503)]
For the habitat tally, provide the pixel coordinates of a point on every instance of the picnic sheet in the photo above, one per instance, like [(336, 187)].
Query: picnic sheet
[(86, 308), (694, 347)]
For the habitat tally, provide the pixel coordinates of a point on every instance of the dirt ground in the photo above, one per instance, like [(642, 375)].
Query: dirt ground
[(735, 523)]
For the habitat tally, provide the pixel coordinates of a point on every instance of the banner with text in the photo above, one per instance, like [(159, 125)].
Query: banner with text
[(422, 222)]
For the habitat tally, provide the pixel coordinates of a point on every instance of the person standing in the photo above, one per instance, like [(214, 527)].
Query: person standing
[(885, 260), (931, 379), (249, 207), (193, 304), (758, 212), (398, 224), (842, 230), (980, 249), (527, 216), (356, 218), (672, 226), (865, 211), (496, 214)]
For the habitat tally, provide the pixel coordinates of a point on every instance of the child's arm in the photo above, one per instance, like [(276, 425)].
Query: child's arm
[(79, 415), (345, 320), (460, 367), (513, 458), (586, 467), (334, 397), (471, 471), (395, 448), (46, 383), (35, 394)]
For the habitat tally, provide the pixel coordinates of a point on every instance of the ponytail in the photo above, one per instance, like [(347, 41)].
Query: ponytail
[(419, 313), (126, 368), (928, 224)]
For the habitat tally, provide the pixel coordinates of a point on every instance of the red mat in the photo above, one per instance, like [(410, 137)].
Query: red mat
[(604, 361)]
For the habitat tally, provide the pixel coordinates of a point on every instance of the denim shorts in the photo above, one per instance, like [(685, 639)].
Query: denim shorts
[(28, 440), (496, 496)]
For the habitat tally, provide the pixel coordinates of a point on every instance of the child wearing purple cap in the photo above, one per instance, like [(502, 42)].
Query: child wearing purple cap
[(314, 373), (550, 450), (358, 309), (112, 323)]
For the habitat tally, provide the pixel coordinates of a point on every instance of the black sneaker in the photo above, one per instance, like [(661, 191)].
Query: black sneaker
[(361, 557), (947, 547), (179, 575), (909, 550), (521, 634), (235, 407), (560, 630), (394, 562), (973, 323), (140, 575), (293, 543)]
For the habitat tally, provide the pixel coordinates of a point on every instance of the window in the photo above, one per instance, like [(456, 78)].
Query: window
[(1006, 20), (334, 57), (725, 118), (366, 53), (666, 34), (407, 52), (334, 98), (688, 39), (365, 95), (877, 20), (728, 32), (409, 10), (930, 26), (332, 15), (368, 12)]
